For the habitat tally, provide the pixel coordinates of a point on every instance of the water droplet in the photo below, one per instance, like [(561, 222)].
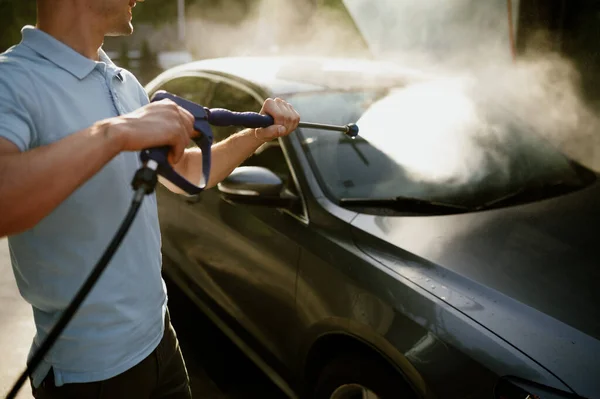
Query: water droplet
[(444, 287), (433, 287), (444, 298), (427, 280)]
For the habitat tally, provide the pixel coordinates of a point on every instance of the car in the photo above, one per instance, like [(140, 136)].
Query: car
[(448, 251)]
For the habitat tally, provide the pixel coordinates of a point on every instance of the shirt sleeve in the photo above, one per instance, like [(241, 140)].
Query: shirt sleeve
[(16, 122), (144, 99), (134, 84)]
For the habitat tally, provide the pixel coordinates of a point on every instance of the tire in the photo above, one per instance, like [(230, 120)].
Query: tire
[(343, 376)]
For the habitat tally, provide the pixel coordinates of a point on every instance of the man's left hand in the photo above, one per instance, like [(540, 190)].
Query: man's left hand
[(285, 116)]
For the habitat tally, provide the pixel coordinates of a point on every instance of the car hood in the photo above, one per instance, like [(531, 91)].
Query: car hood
[(530, 273)]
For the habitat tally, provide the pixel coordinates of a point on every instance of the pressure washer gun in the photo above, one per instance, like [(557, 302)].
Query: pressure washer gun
[(156, 159)]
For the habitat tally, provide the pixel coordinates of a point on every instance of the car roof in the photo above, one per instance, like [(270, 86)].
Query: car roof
[(281, 75)]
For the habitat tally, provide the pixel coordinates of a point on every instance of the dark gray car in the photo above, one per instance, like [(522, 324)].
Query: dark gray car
[(448, 252)]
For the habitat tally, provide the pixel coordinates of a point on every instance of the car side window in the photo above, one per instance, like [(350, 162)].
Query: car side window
[(270, 155), (193, 88), (234, 99)]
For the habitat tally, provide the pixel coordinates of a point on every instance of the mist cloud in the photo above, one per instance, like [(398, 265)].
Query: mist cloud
[(272, 27), (465, 39)]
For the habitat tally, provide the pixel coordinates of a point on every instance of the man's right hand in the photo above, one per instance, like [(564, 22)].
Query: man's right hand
[(162, 123)]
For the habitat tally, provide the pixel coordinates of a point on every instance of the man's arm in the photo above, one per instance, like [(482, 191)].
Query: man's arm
[(34, 182), (231, 152), (225, 157)]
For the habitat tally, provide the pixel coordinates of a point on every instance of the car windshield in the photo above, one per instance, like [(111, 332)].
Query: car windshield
[(426, 142)]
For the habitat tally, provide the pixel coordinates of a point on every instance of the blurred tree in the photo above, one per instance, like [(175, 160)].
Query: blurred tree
[(148, 64), (338, 7), (124, 56), (14, 14), (160, 12)]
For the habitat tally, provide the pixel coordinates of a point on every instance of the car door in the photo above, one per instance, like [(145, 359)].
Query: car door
[(194, 87), (244, 257)]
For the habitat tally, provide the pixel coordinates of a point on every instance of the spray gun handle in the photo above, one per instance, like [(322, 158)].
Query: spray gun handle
[(204, 141), (202, 115), (224, 117)]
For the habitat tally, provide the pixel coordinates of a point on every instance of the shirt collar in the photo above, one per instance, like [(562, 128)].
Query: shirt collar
[(60, 54)]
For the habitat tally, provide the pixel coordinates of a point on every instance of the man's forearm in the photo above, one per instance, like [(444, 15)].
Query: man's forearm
[(34, 183), (225, 157)]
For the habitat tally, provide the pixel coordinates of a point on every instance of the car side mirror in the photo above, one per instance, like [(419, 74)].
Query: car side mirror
[(255, 185)]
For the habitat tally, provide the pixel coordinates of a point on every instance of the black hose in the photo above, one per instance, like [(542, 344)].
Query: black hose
[(81, 294)]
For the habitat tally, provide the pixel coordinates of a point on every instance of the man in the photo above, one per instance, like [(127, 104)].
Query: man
[(71, 128)]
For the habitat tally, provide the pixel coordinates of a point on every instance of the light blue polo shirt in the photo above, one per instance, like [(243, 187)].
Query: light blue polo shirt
[(47, 92)]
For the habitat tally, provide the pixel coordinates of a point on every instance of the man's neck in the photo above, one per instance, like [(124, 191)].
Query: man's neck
[(72, 27)]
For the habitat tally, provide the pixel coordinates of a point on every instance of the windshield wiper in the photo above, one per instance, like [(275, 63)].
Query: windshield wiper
[(406, 204), (417, 205), (532, 193)]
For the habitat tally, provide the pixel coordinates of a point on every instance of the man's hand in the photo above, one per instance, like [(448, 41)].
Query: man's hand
[(285, 116), (154, 125)]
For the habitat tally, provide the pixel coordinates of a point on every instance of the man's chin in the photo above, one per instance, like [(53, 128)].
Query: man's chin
[(125, 30)]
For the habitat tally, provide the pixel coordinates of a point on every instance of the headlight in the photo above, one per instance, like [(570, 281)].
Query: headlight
[(516, 388)]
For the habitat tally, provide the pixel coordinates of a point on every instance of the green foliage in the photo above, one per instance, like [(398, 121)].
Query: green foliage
[(123, 60), (14, 14), (331, 3), (148, 64), (155, 11), (159, 12)]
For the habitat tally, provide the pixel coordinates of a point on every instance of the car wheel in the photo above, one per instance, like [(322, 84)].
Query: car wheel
[(360, 377)]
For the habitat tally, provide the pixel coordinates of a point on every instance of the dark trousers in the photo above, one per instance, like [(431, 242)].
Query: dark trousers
[(161, 375)]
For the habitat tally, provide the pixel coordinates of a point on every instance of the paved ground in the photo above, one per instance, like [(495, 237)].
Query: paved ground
[(218, 370), (16, 327)]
